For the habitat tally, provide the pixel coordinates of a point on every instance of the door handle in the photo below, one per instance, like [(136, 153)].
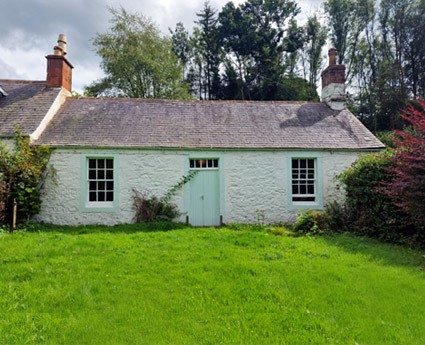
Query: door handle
[(202, 197)]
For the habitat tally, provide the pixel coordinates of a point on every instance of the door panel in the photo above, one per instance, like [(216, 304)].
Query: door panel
[(204, 206)]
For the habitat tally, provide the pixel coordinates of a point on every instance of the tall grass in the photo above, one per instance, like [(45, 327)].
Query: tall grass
[(97, 285)]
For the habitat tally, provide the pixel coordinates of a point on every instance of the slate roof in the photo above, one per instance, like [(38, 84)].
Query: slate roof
[(26, 104), (205, 124)]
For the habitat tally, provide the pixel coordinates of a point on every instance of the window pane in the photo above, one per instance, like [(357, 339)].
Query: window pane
[(110, 185), (215, 163), (109, 196), (92, 186), (295, 163), (101, 163), (192, 163), (92, 196), (304, 198), (92, 163), (100, 174), (303, 163), (101, 185), (92, 174), (109, 163), (101, 196), (109, 174)]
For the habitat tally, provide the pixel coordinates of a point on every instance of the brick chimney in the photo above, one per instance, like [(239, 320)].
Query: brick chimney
[(59, 69), (333, 83)]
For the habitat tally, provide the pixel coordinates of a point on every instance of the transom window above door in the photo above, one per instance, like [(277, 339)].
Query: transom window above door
[(200, 163)]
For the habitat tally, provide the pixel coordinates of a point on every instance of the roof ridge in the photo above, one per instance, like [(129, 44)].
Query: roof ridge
[(19, 81), (161, 100)]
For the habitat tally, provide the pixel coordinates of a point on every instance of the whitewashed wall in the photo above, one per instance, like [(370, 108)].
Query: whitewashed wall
[(9, 143), (254, 183)]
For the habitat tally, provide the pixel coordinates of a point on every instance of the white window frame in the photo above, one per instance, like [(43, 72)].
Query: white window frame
[(304, 178), (317, 180), (90, 175), (101, 177)]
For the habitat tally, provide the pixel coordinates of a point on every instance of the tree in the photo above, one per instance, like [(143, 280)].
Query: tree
[(181, 44), (342, 23), (407, 169), (315, 39), (137, 60), (260, 39), (209, 49)]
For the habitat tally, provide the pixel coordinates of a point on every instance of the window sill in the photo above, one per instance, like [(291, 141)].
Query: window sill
[(303, 205), (100, 208)]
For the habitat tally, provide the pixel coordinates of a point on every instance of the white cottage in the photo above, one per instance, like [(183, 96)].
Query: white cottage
[(254, 159)]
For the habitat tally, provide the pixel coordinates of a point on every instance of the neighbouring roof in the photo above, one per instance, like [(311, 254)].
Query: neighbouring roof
[(205, 124), (26, 104)]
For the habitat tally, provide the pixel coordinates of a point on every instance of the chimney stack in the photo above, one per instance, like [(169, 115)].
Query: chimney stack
[(333, 83), (59, 69)]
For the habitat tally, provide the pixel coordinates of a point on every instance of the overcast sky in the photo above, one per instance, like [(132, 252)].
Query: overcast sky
[(30, 28)]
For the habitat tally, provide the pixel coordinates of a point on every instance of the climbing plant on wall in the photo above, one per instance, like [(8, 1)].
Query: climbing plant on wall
[(23, 169)]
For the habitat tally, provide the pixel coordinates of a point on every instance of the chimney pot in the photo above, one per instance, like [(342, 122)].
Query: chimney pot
[(332, 56), (62, 43)]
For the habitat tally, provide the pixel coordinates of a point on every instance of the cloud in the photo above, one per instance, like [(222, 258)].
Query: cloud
[(30, 29)]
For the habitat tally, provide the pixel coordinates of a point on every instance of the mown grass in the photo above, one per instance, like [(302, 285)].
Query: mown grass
[(132, 285)]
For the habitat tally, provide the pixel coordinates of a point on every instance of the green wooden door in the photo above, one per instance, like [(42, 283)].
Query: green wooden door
[(204, 198)]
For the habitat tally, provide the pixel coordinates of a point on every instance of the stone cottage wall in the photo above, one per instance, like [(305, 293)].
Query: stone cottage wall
[(254, 185)]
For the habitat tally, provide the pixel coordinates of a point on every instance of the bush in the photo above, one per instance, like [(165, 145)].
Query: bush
[(309, 222), (335, 217), (149, 209), (22, 173), (367, 211)]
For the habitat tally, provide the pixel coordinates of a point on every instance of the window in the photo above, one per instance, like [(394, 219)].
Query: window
[(203, 163), (304, 188), (100, 181)]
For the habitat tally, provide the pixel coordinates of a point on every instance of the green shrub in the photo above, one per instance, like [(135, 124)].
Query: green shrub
[(149, 209), (336, 217), (309, 222), (22, 173), (367, 211)]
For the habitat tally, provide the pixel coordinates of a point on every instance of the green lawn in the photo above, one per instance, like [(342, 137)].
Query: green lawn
[(207, 286)]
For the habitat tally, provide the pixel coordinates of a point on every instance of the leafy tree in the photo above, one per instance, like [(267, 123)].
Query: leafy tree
[(414, 49), (293, 42), (137, 60), (261, 40), (180, 39), (209, 49), (315, 39), (22, 172), (381, 43), (342, 22), (407, 185)]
